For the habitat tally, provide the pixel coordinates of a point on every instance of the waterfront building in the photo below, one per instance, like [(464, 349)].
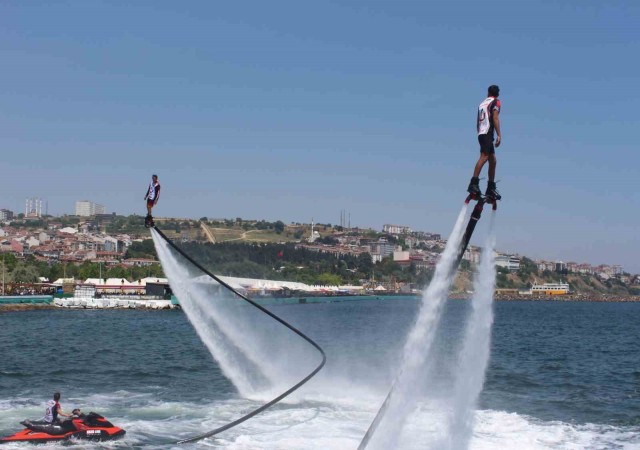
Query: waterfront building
[(85, 208), (550, 289)]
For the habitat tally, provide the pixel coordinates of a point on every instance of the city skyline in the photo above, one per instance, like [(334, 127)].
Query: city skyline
[(284, 112), (395, 230)]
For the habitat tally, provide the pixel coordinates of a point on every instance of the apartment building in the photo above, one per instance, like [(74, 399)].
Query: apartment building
[(85, 208)]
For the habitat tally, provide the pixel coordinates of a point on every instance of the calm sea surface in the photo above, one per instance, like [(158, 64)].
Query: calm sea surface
[(562, 375)]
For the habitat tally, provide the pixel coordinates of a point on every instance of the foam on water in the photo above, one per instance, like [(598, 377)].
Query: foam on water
[(335, 423)]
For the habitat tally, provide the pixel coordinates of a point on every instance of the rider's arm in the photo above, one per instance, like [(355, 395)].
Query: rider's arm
[(157, 194), (62, 413), (496, 124)]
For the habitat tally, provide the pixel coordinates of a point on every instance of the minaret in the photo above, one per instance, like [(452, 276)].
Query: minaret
[(314, 234)]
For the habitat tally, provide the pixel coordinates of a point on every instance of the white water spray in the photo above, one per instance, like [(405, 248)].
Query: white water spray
[(474, 357), (247, 344), (401, 400)]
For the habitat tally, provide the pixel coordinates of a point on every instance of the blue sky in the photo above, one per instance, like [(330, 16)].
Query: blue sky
[(298, 110)]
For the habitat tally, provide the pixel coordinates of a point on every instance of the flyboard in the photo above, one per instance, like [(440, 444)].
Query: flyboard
[(473, 221), (481, 201), (149, 224)]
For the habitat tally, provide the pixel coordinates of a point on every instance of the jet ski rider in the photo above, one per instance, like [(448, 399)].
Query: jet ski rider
[(54, 410)]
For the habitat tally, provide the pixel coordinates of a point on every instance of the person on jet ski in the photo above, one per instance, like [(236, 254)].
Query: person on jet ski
[(77, 414), (68, 425), (54, 410)]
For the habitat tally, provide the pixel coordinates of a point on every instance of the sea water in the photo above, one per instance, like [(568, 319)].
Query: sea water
[(561, 376)]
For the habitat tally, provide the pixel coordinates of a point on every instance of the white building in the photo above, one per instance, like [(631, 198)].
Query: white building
[(32, 242), (472, 255), (33, 207), (395, 229), (510, 262), (85, 208), (382, 248)]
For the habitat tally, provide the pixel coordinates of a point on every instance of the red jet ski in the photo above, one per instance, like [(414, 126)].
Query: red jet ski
[(91, 427)]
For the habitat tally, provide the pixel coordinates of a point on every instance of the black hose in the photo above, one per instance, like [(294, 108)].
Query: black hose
[(291, 327)]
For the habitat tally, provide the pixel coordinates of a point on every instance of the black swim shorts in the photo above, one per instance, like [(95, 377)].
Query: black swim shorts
[(486, 144)]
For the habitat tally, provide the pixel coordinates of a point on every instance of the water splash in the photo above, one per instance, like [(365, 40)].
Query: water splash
[(247, 344), (474, 356), (401, 400)]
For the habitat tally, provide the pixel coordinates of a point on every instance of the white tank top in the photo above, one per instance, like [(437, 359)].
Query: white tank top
[(48, 413), (152, 190), (485, 118)]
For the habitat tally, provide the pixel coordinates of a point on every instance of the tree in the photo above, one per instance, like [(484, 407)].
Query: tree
[(329, 279), (117, 272), (144, 249), (365, 264), (329, 240), (24, 273), (10, 261), (88, 270), (279, 226), (528, 267), (425, 277)]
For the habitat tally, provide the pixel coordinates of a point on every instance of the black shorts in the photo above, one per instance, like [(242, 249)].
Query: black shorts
[(486, 144)]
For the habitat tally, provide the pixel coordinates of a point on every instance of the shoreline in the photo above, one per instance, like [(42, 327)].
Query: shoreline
[(17, 307), (593, 298), (575, 298)]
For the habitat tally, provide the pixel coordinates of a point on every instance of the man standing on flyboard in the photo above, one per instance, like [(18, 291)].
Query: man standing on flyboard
[(152, 196), (488, 122)]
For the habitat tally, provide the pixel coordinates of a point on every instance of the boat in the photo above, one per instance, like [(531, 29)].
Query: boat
[(551, 289), (92, 426)]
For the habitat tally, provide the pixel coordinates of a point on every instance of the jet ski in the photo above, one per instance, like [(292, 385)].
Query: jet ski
[(90, 426)]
